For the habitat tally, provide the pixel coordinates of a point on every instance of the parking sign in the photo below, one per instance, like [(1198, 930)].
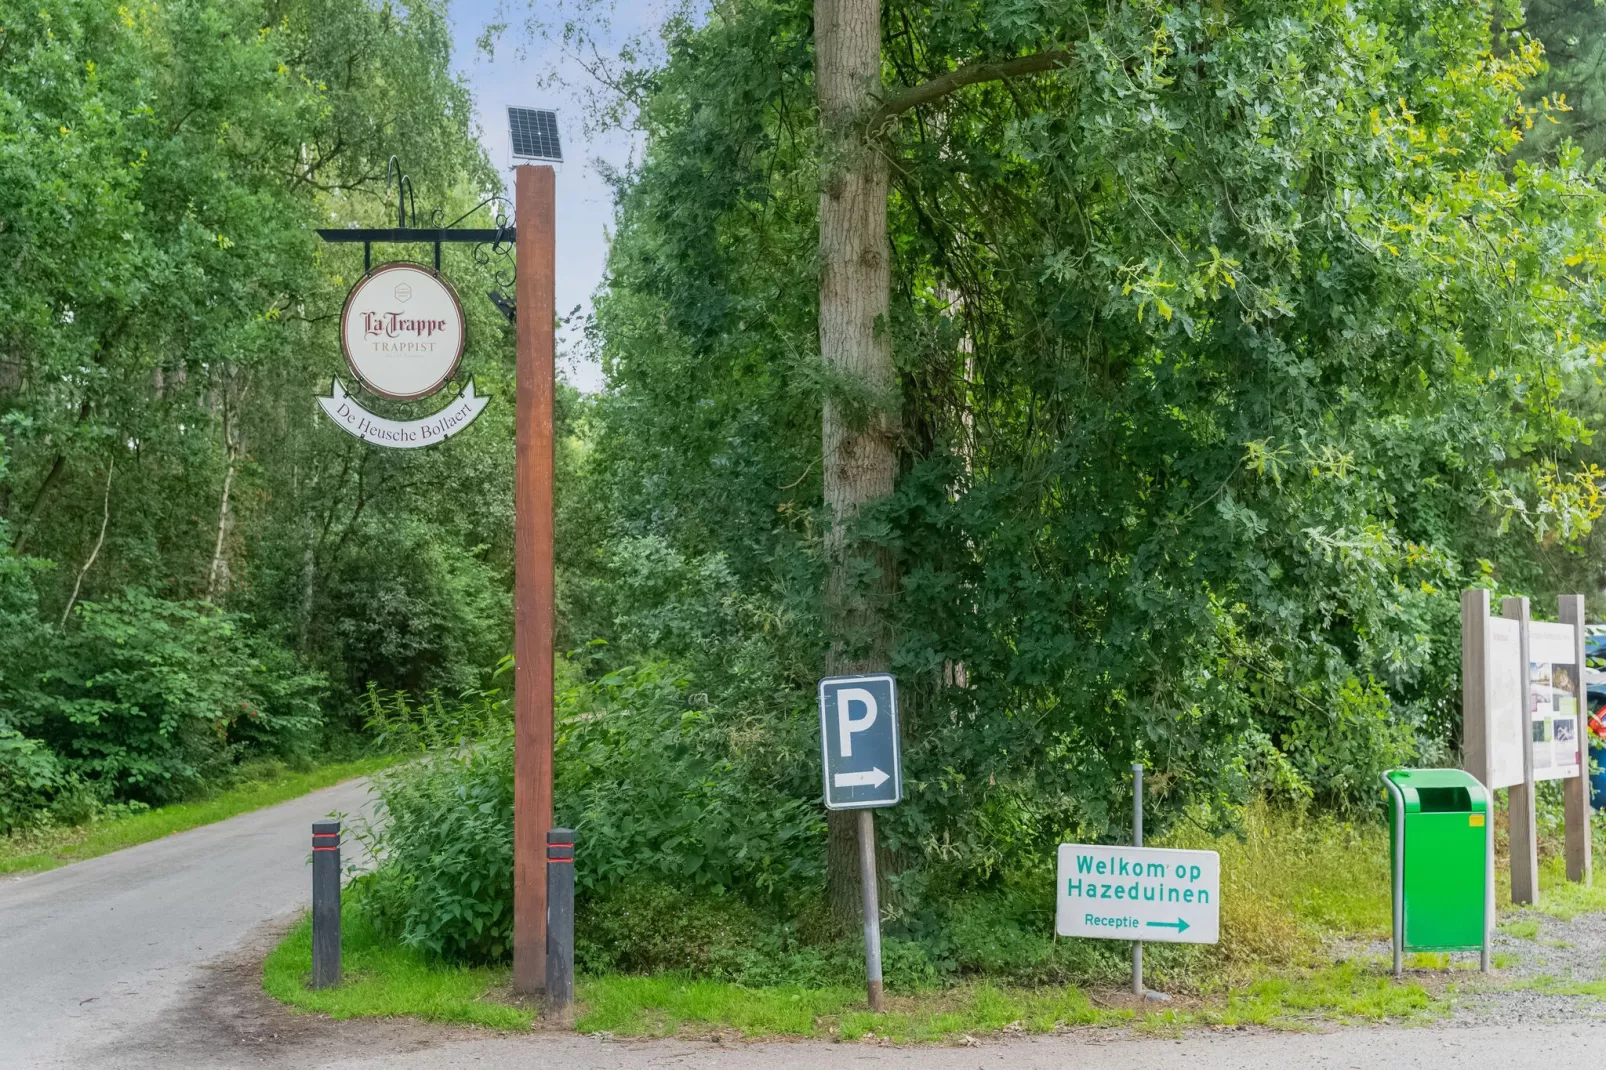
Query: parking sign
[(859, 741)]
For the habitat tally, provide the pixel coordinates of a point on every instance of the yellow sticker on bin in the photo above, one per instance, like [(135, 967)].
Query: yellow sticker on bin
[(1475, 820)]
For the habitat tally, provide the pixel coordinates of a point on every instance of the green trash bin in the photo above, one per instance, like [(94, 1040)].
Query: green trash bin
[(1442, 847)]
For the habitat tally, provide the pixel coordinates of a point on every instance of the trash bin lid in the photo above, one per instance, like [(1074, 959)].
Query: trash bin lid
[(1440, 790)]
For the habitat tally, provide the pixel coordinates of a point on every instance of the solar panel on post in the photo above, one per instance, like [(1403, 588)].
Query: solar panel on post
[(535, 134)]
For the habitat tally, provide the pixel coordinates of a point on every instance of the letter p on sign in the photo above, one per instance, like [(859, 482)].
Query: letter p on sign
[(846, 724), (859, 741)]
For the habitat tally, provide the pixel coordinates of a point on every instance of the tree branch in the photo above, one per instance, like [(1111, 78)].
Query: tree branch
[(105, 516), (969, 74), (20, 543)]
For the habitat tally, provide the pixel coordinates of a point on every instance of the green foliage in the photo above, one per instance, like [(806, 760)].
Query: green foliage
[(30, 779), (149, 698), (399, 726), (652, 783), (417, 611), (660, 788), (1229, 353), (166, 318), (446, 885), (1568, 97)]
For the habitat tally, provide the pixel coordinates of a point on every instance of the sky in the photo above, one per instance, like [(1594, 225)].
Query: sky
[(519, 72)]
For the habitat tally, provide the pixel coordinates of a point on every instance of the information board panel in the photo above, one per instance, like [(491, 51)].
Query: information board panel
[(1553, 707), (1506, 705)]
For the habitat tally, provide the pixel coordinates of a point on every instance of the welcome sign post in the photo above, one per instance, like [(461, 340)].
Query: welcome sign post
[(402, 332), (1138, 893)]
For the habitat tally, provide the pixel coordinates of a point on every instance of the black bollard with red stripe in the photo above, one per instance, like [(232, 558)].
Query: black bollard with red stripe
[(560, 921), (325, 904)]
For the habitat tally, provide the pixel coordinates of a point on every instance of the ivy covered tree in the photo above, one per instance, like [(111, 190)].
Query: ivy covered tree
[(1227, 343)]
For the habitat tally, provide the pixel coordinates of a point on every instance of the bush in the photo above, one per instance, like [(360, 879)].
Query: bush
[(149, 699), (658, 786), (30, 777), (446, 885), (653, 782)]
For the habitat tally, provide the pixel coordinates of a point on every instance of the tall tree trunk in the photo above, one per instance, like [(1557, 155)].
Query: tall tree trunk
[(860, 418), (217, 580), (309, 572), (100, 540)]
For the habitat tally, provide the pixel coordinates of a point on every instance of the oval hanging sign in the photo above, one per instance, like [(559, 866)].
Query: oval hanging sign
[(402, 331)]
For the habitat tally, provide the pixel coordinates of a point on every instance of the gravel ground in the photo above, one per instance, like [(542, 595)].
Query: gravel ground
[(1530, 974), (1561, 954)]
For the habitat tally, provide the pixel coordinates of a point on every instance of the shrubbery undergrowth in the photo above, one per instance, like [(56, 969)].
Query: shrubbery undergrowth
[(650, 782), (146, 701)]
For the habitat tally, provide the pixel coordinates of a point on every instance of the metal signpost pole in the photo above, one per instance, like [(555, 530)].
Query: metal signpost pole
[(1137, 841), (535, 235), (1488, 880), (872, 909)]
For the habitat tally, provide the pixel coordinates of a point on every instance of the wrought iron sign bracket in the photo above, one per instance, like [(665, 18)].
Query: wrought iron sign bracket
[(402, 234), (416, 236)]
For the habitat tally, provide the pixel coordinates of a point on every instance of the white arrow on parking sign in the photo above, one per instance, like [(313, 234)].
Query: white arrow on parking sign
[(874, 777)]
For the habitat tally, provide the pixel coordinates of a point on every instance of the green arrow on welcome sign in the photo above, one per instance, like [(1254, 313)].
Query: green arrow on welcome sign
[(1179, 925)]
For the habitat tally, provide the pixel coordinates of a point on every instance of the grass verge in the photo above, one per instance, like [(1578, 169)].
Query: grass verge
[(667, 1005), (1554, 986), (383, 979), (58, 847), (1299, 893), (1563, 899)]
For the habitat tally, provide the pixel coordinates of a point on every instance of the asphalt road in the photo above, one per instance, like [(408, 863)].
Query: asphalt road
[(106, 947), (1527, 1047)]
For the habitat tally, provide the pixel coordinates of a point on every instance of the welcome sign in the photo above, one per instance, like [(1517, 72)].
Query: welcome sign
[(1138, 893)]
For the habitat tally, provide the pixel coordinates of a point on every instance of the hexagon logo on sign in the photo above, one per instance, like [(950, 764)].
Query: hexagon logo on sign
[(402, 331)]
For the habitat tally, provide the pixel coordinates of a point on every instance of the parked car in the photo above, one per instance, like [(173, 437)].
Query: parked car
[(1595, 646), (1595, 702)]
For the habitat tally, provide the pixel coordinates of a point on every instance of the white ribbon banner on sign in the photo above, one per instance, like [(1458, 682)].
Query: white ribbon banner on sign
[(357, 421)]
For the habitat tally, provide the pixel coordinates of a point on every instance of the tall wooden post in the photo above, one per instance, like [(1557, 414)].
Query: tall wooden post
[(1521, 814), (535, 219), (1575, 791), (1476, 746)]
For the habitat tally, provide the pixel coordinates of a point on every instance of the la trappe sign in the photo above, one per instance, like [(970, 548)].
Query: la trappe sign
[(402, 332)]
